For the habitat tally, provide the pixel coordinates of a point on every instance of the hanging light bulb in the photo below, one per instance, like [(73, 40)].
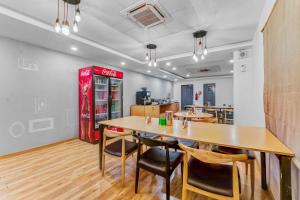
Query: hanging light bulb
[(195, 57), (77, 15), (150, 63), (57, 26), (147, 57), (155, 64), (75, 26), (202, 57), (205, 52), (65, 28)]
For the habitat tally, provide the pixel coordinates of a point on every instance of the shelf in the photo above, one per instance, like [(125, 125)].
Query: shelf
[(115, 90), (115, 111), (115, 85), (101, 90), (116, 99), (102, 100), (100, 84), (101, 114)]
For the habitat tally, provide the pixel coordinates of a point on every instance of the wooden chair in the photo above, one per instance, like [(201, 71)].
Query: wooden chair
[(159, 161), (249, 162), (206, 120), (207, 174), (228, 118), (118, 147)]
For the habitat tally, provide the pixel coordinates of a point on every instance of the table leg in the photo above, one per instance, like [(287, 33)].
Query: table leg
[(285, 178), (100, 145), (263, 171)]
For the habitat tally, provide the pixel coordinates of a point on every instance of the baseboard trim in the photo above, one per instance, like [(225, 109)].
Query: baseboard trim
[(35, 149)]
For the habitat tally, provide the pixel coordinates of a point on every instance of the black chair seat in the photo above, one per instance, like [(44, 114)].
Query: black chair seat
[(188, 143), (154, 160), (115, 148), (214, 178), (229, 150), (149, 135)]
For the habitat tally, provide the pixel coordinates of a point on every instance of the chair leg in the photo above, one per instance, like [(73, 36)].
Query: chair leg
[(246, 168), (181, 168), (167, 188), (103, 163), (252, 174), (137, 175), (123, 159), (184, 193)]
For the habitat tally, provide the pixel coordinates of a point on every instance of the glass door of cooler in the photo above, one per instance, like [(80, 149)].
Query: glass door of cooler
[(116, 98), (101, 99)]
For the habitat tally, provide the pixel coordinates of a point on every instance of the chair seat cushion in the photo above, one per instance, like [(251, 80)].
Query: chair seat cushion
[(154, 160), (149, 135), (188, 143), (115, 148), (229, 150), (214, 178)]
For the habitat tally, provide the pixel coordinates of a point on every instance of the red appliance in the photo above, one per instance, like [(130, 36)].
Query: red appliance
[(100, 98)]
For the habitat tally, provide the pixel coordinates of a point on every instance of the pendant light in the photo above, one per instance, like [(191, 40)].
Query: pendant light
[(57, 26), (200, 40), (64, 27), (149, 57)]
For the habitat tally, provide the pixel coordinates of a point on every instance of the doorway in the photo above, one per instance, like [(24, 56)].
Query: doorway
[(209, 96), (187, 92)]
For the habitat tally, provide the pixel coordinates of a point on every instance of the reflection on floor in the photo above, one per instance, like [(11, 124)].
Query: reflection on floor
[(70, 171)]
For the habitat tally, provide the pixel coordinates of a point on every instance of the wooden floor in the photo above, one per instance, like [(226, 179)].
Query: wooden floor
[(70, 171)]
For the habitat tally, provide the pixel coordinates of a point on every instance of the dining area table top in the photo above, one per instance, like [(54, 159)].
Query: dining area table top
[(191, 115), (242, 137), (209, 107)]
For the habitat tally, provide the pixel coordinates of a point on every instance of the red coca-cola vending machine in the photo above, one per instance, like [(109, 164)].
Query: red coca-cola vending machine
[(100, 98)]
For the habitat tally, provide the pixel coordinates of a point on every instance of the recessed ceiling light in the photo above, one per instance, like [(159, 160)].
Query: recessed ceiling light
[(174, 68), (187, 75), (123, 63), (231, 61), (148, 71), (168, 64), (231, 71), (175, 79), (74, 48), (165, 76)]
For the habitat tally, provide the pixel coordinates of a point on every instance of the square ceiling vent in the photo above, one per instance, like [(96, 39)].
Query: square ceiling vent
[(146, 14)]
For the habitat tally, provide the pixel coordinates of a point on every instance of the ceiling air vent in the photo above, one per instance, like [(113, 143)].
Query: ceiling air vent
[(146, 14)]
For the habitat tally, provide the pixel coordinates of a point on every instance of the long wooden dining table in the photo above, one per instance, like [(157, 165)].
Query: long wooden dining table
[(241, 137)]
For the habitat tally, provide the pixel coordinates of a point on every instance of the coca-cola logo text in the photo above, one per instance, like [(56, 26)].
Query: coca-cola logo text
[(85, 73), (109, 72), (85, 115)]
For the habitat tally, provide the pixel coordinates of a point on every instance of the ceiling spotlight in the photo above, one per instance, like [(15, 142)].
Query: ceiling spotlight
[(174, 68), (74, 48), (148, 71), (231, 71), (175, 79), (187, 75), (168, 64), (231, 61), (195, 57), (123, 63), (165, 76), (202, 57)]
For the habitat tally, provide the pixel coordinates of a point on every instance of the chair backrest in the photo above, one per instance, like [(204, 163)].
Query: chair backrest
[(114, 134), (154, 143), (212, 157)]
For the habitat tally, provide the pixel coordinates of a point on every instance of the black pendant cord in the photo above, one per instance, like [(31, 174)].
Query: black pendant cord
[(64, 12), (57, 9), (67, 16)]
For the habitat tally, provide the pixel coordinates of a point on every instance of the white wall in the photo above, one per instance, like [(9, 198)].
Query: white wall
[(53, 80), (224, 89)]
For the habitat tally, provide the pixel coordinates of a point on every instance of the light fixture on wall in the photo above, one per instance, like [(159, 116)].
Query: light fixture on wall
[(64, 27), (151, 55), (200, 43)]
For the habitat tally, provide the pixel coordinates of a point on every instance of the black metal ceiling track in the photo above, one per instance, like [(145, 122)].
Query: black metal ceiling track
[(73, 2)]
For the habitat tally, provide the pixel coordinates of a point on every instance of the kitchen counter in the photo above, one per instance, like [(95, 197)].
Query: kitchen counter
[(153, 110)]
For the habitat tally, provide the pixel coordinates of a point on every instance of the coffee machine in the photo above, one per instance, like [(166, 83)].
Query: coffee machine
[(143, 97)]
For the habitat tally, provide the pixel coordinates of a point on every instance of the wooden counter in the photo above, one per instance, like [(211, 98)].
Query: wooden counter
[(153, 110)]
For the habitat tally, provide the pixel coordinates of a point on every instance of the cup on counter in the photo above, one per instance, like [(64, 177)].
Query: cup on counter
[(169, 118)]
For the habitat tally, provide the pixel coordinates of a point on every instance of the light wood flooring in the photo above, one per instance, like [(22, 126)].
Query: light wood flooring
[(70, 171)]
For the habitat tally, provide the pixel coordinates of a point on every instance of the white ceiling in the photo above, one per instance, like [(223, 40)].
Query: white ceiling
[(108, 37)]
